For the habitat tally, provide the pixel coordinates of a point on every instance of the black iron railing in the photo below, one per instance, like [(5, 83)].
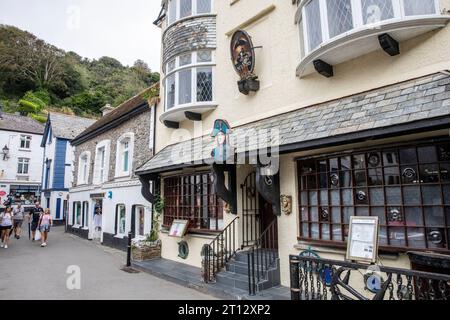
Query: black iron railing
[(262, 257), (219, 252), (321, 279)]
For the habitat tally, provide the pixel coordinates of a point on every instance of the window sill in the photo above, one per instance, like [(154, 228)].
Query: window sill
[(197, 234), (120, 236), (24, 150)]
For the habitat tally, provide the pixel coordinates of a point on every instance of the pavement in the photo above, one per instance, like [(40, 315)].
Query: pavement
[(30, 272)]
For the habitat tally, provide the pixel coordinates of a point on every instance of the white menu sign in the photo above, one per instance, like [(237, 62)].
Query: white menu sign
[(363, 239)]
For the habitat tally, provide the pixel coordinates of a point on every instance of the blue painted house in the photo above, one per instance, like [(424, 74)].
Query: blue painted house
[(57, 167)]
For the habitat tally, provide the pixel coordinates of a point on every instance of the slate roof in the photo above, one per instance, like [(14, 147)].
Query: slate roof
[(402, 103), (118, 113), (12, 122), (67, 126)]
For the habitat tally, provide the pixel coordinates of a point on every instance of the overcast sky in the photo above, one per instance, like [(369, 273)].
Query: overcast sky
[(121, 29)]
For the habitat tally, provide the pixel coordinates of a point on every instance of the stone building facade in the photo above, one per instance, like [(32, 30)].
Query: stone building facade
[(106, 156)]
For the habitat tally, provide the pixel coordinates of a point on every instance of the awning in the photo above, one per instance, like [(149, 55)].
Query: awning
[(412, 106)]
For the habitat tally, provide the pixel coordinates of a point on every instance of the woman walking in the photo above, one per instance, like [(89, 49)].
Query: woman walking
[(6, 226), (45, 222), (18, 215)]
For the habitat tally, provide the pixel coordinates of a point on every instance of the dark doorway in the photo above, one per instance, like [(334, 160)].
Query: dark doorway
[(267, 219)]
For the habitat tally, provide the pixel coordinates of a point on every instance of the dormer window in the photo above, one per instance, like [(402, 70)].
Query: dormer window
[(179, 9), (335, 31)]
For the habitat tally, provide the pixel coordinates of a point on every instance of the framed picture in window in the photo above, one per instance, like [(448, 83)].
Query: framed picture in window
[(362, 245), (178, 228)]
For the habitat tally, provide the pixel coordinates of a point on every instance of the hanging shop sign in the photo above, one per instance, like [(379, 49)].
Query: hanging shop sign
[(243, 59), (221, 133), (178, 228), (363, 239)]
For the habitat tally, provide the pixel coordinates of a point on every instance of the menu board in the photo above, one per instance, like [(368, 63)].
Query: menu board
[(362, 242), (178, 228)]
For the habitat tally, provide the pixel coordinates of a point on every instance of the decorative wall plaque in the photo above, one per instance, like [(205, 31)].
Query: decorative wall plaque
[(243, 59), (286, 204)]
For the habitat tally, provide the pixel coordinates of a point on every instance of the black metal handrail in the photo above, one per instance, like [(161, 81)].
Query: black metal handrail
[(323, 279), (262, 257), (219, 252)]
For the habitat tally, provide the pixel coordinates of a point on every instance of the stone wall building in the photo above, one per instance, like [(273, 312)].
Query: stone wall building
[(106, 155)]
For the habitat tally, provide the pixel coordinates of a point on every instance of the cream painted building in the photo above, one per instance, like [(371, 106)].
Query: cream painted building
[(355, 98)]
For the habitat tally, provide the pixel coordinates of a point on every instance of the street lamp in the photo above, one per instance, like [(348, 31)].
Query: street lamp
[(5, 152)]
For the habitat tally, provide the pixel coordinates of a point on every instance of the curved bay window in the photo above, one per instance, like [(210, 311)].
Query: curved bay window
[(189, 79), (191, 197), (179, 9), (408, 188)]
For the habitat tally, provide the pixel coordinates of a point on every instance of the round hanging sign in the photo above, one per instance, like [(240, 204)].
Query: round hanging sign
[(2, 193), (242, 54)]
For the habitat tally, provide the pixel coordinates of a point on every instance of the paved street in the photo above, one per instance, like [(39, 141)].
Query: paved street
[(28, 271)]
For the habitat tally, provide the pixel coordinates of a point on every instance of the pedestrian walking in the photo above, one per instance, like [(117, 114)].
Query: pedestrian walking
[(45, 222), (35, 215), (18, 215), (5, 227)]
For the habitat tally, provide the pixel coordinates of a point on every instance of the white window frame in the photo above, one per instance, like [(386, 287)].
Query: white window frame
[(26, 140), (193, 8), (358, 20), (101, 168), (84, 162), (118, 206), (85, 214), (23, 163), (193, 66), (137, 222), (127, 137)]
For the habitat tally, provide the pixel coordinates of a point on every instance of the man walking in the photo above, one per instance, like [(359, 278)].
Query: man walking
[(18, 215), (35, 214)]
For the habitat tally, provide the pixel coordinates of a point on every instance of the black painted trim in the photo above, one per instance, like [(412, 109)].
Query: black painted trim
[(193, 116)]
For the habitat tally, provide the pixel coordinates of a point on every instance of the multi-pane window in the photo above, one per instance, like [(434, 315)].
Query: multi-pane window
[(120, 219), (101, 165), (77, 213), (25, 142), (189, 79), (125, 155), (320, 21), (23, 166), (179, 9), (84, 169), (191, 197), (408, 188)]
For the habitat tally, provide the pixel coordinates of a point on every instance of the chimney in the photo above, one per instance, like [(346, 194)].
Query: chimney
[(106, 109)]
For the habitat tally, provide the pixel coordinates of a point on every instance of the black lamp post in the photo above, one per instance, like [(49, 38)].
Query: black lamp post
[(5, 152)]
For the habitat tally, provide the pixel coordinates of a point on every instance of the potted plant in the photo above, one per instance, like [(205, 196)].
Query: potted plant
[(150, 247)]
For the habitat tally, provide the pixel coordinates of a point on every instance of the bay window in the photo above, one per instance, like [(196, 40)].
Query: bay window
[(189, 79), (323, 20), (179, 9), (192, 197), (407, 187)]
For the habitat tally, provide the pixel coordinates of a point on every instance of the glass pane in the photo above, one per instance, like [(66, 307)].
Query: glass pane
[(375, 177), (347, 197), (414, 216), (419, 7), (335, 199), (337, 232), (434, 216), (185, 59), (408, 156), (446, 190), (203, 6), (360, 178), (348, 212), (445, 172), (429, 173), (204, 85), (171, 65), (305, 230), (326, 232), (361, 196), (390, 158), (444, 152), (391, 176), (359, 161), (383, 236), (313, 24), (431, 195), (416, 238), (172, 10), (304, 212), (427, 154), (314, 231), (339, 17), (377, 10), (170, 87), (185, 86), (324, 197), (323, 181), (304, 198), (314, 212), (346, 163), (435, 237), (376, 196), (345, 179), (394, 196), (397, 236), (334, 165), (362, 211), (204, 56), (380, 213), (185, 8), (313, 198), (409, 175), (336, 215), (411, 195)]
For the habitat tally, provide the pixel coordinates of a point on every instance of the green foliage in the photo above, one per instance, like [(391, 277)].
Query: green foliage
[(40, 118), (158, 208), (63, 80)]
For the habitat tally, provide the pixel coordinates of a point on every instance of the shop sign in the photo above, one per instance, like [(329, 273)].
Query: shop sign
[(243, 59), (221, 133)]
